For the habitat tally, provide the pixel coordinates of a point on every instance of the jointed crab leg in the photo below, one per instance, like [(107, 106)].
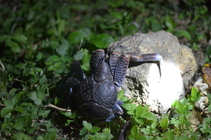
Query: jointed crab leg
[(71, 83), (117, 110), (121, 69), (77, 66), (119, 63)]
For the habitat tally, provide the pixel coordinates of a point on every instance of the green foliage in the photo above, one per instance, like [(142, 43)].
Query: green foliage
[(92, 133), (40, 39), (205, 127), (184, 34)]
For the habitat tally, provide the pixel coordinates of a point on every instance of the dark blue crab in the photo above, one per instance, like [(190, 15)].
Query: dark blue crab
[(97, 94)]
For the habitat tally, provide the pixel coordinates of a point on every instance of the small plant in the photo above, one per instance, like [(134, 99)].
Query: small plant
[(93, 132), (205, 127)]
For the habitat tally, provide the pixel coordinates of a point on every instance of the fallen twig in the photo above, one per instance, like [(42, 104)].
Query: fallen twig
[(58, 108)]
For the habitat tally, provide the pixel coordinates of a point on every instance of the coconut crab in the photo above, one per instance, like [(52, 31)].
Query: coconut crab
[(97, 94)]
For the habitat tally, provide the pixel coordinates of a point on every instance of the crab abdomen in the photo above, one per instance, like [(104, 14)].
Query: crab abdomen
[(95, 111)]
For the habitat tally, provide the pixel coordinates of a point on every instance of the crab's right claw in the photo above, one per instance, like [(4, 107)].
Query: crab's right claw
[(153, 57)]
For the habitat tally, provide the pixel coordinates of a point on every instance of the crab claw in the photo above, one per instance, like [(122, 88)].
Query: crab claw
[(153, 57)]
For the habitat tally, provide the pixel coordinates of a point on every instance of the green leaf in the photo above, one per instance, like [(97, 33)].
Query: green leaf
[(13, 90), (121, 95), (134, 131), (5, 111), (209, 108), (52, 59), (155, 25), (107, 133), (164, 122), (39, 56), (33, 96), (169, 135), (195, 46), (67, 114), (77, 36), (22, 136), (95, 129), (195, 95), (117, 15), (50, 135), (20, 38), (139, 120), (59, 67), (130, 107), (102, 40), (149, 116), (82, 131), (15, 48), (184, 33), (63, 48), (18, 97), (193, 90), (106, 136), (170, 23), (79, 55), (19, 109), (87, 125), (139, 110), (54, 44), (85, 60), (8, 103), (4, 37), (61, 26)]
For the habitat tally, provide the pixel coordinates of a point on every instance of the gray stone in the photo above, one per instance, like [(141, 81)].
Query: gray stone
[(144, 81)]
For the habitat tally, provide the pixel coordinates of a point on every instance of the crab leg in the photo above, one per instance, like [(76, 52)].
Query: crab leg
[(117, 110), (77, 66), (113, 61), (121, 69), (71, 83)]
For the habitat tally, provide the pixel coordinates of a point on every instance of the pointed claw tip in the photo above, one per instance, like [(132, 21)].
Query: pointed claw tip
[(158, 57)]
